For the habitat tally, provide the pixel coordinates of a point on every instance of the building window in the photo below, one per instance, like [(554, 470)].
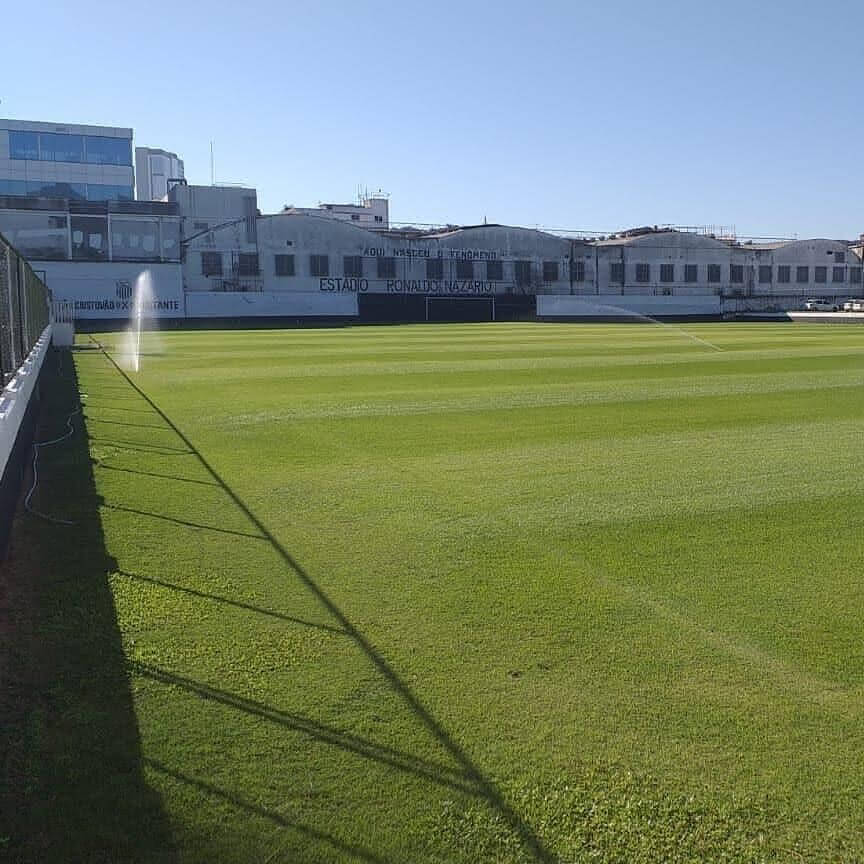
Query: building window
[(46, 189), (102, 192), (736, 274), (691, 273), (61, 148), (713, 272), (784, 274), (107, 151), (550, 271), (386, 268), (247, 264), (522, 273), (464, 269), (50, 189), (667, 272), (855, 275), (24, 145), (379, 218), (13, 187), (494, 271), (643, 272), (434, 268), (820, 275), (89, 238), (802, 274), (577, 271), (284, 265), (170, 240), (838, 274), (211, 263), (839, 257), (36, 235), (616, 272), (134, 239), (355, 217), (352, 266), (319, 265), (764, 274), (200, 226)]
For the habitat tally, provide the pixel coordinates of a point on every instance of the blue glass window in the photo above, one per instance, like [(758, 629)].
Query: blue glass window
[(104, 192), (50, 189), (108, 151), (13, 187), (23, 145), (61, 148), (40, 236)]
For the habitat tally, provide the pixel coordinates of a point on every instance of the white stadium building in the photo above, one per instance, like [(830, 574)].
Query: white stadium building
[(66, 204)]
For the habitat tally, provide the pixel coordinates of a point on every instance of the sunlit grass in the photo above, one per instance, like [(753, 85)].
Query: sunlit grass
[(492, 592)]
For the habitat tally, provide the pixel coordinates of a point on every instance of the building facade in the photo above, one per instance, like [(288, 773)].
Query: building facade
[(65, 203), (53, 160), (219, 237), (92, 253), (153, 170), (373, 212)]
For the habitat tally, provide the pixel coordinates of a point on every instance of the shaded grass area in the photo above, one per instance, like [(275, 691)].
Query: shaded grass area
[(489, 593), (72, 782)]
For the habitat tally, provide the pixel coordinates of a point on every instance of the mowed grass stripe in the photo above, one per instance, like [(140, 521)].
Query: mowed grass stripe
[(619, 570)]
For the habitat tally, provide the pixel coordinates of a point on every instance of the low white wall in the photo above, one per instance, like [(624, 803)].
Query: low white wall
[(105, 290), (16, 396), (610, 305), (224, 304)]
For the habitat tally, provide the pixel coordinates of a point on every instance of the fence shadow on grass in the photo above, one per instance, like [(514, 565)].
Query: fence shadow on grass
[(467, 778), (71, 782), (237, 604)]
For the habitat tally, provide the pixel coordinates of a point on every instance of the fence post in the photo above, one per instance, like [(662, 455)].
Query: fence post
[(7, 340)]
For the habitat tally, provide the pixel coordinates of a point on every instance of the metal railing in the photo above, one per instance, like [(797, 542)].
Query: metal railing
[(24, 309)]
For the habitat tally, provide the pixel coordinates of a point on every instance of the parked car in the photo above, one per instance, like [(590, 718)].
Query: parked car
[(858, 305), (819, 304), (848, 305)]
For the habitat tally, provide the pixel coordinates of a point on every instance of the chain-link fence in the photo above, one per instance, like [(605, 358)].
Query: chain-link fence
[(24, 309)]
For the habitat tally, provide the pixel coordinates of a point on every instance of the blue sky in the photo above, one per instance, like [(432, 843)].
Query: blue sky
[(592, 116)]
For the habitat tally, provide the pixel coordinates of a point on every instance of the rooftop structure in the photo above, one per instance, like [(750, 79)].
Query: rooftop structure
[(371, 211), (154, 169)]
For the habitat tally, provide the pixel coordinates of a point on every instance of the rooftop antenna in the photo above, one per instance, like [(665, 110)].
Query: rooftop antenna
[(212, 166)]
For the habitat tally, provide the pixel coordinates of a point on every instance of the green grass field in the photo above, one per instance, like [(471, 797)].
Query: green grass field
[(452, 594)]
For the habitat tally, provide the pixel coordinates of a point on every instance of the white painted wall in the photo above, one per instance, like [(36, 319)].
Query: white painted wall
[(656, 249), (305, 235), (373, 213), (610, 305), (681, 249), (16, 396), (224, 209)]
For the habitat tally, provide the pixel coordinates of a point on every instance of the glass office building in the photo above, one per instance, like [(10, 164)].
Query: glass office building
[(79, 163)]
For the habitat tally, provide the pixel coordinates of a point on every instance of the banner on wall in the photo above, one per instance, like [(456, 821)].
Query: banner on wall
[(107, 290)]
